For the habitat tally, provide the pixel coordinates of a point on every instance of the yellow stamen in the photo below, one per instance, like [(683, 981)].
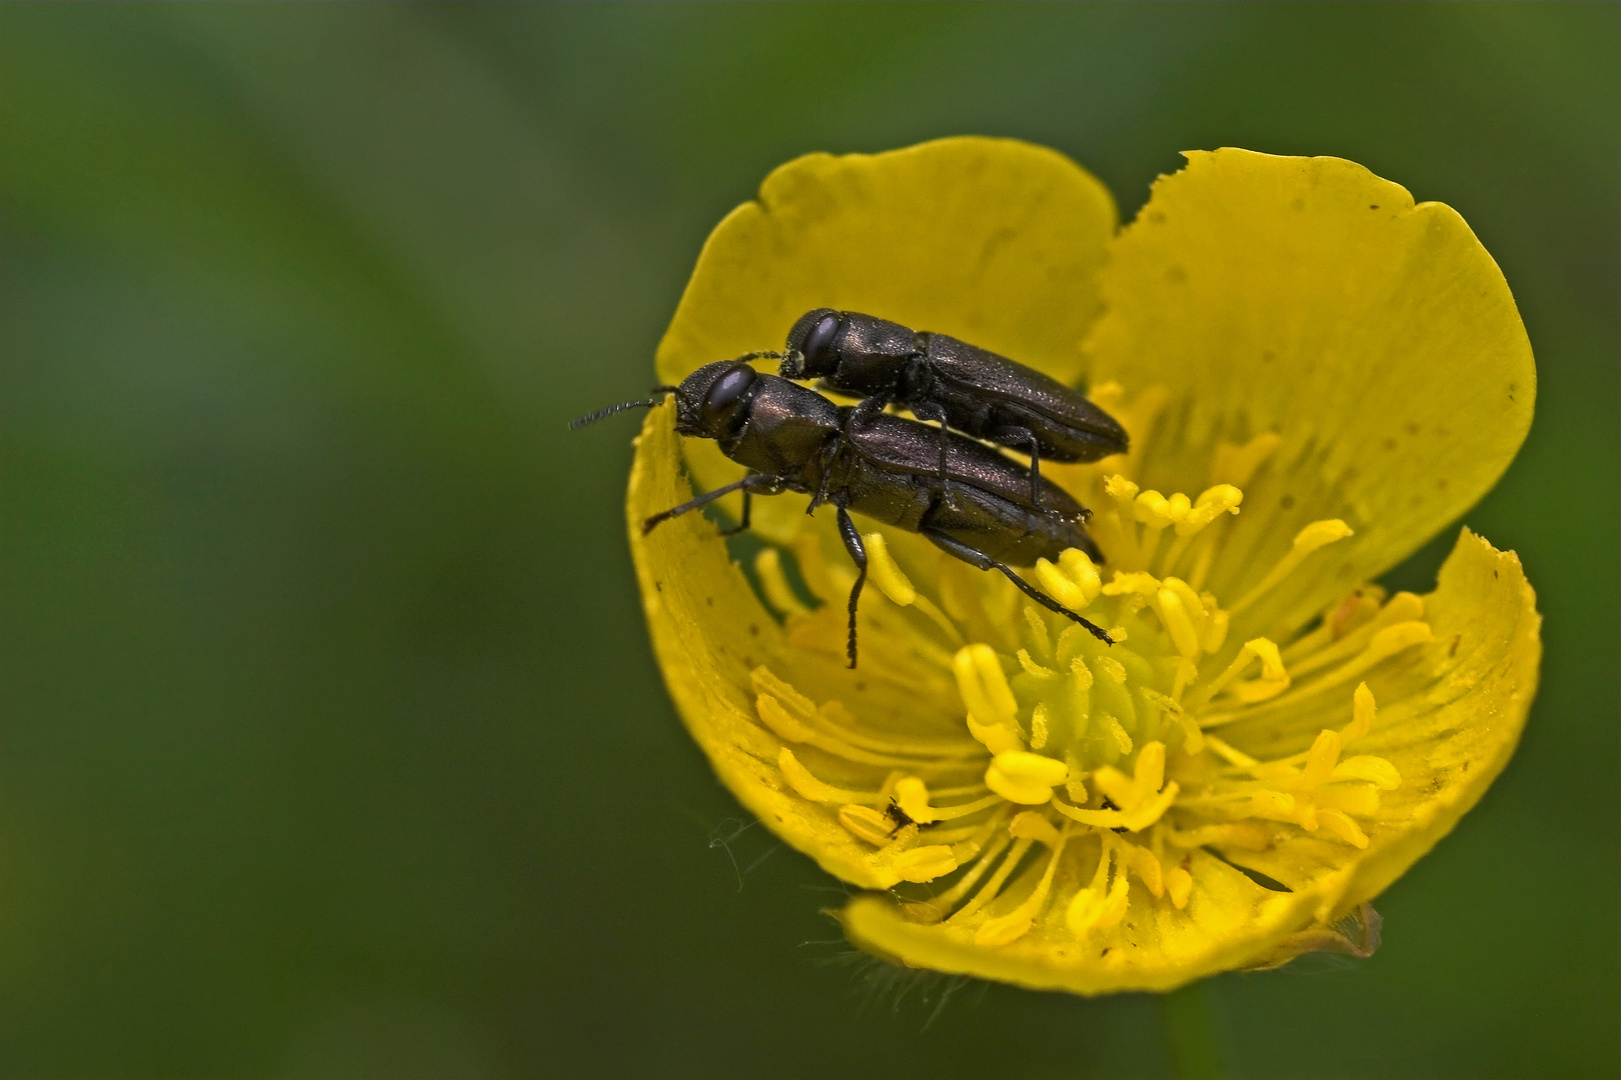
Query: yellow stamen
[(785, 726), (936, 909), (1073, 581), (1016, 923), (774, 583), (1121, 738), (1038, 726), (1232, 756), (1092, 908), (1272, 672), (1376, 770), (1139, 818), (1178, 622), (1249, 835), (1236, 464), (912, 796), (801, 780), (807, 722), (983, 685), (1343, 827), (1321, 759), (1179, 883), (1363, 712), (1403, 607), (883, 571), (925, 863), (994, 885), (995, 738), (1023, 777), (1033, 825), (1316, 535), (866, 823)]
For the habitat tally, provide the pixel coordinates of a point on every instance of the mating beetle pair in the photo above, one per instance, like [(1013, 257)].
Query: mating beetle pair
[(952, 383), (965, 497)]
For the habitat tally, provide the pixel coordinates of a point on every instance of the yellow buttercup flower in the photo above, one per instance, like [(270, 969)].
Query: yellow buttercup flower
[(1316, 375)]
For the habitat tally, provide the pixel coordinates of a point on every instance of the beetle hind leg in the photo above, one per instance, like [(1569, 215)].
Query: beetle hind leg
[(978, 559), (858, 555)]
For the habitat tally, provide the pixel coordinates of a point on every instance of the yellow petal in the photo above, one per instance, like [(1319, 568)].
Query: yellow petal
[(1155, 946), (1449, 717), (709, 632), (1308, 297), (1451, 742), (994, 241), (1449, 735)]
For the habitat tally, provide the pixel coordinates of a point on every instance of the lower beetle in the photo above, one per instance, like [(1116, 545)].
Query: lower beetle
[(791, 438), (952, 383)]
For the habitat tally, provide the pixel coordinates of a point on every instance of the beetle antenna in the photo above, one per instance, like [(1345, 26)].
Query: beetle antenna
[(793, 363), (591, 418)]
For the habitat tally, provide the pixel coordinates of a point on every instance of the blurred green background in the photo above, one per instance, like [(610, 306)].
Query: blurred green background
[(332, 744)]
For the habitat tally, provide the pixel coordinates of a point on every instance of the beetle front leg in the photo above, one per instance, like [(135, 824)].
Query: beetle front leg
[(858, 555), (743, 522), (765, 485)]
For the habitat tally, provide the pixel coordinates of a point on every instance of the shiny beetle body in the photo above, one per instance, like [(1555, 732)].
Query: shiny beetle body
[(977, 506), (951, 383)]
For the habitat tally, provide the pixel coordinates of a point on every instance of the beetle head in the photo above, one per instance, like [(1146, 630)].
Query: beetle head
[(811, 351), (713, 402)]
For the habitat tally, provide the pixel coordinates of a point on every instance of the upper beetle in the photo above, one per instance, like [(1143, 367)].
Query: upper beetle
[(953, 383)]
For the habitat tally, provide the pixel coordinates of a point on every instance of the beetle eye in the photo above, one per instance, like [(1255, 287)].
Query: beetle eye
[(819, 342), (727, 389)]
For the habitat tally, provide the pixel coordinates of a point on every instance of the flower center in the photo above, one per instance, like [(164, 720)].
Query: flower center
[(1063, 768)]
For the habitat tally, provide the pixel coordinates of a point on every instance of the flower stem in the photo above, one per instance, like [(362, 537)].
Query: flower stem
[(1190, 1032)]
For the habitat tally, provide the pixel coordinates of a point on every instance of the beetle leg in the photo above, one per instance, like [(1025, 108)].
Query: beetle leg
[(743, 522), (765, 485), (868, 408), (1024, 439), (973, 557), (933, 411), (858, 555), (827, 455)]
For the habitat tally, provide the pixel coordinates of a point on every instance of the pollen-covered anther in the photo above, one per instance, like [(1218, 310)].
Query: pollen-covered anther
[(1073, 581), (867, 824), (884, 572), (992, 708), (911, 796), (1022, 777), (1141, 800), (1131, 529), (1005, 929), (925, 863), (774, 583), (1318, 789), (1318, 534), (1100, 905)]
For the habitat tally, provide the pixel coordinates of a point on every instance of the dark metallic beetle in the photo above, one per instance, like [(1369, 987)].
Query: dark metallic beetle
[(791, 438), (952, 383)]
